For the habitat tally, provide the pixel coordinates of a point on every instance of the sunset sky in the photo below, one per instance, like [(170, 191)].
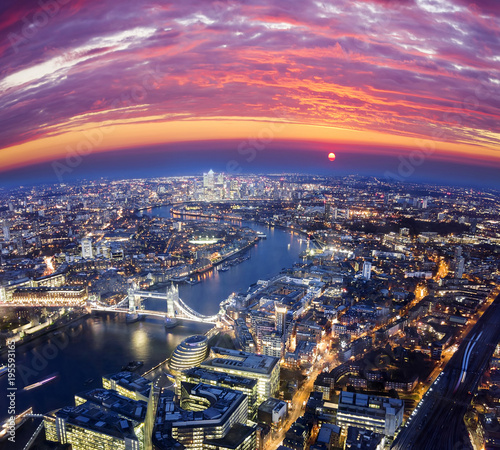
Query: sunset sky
[(106, 87)]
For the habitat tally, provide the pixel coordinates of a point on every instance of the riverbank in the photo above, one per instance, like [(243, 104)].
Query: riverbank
[(252, 219), (49, 329)]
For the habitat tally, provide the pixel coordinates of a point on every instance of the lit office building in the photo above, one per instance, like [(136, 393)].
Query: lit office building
[(247, 386), (88, 426), (382, 415), (6, 230), (208, 417), (189, 353), (126, 408), (367, 270), (209, 179), (128, 384), (280, 312), (264, 369), (52, 280), (49, 296), (87, 251)]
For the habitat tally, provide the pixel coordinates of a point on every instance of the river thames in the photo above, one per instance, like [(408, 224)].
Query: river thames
[(97, 346)]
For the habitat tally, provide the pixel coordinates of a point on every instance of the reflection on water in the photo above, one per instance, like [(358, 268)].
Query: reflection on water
[(281, 249), (96, 347), (102, 345)]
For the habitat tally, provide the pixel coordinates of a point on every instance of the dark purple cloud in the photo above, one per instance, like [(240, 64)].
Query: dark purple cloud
[(415, 68)]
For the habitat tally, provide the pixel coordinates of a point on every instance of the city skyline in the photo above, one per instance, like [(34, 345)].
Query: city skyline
[(97, 87), (279, 311)]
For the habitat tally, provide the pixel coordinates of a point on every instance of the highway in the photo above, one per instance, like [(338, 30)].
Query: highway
[(437, 422)]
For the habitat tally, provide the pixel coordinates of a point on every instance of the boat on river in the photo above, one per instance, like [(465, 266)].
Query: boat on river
[(133, 365)]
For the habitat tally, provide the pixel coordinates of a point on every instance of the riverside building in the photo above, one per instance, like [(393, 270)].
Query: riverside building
[(189, 353)]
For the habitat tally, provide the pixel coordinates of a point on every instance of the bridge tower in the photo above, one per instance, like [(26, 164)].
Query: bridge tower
[(172, 298), (133, 299)]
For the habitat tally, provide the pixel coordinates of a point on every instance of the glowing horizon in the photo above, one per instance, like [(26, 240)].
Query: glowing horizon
[(111, 137)]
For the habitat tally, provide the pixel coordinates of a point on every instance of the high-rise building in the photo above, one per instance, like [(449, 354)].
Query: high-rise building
[(189, 353), (382, 415), (6, 230), (87, 251), (264, 369), (113, 417), (367, 269), (280, 312), (460, 266), (209, 180)]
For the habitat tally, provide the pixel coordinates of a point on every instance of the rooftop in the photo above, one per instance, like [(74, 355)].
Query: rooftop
[(270, 404), (130, 381), (218, 377), (245, 361), (131, 409), (92, 417), (369, 401), (169, 414)]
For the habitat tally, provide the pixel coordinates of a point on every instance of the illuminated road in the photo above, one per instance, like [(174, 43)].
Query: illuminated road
[(437, 422), (301, 396)]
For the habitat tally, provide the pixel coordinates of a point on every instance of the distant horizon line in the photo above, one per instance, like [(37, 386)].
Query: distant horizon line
[(89, 179)]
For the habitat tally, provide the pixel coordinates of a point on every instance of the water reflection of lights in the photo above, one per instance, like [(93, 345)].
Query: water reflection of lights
[(140, 341)]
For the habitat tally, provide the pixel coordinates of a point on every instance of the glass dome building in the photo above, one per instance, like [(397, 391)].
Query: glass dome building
[(189, 353)]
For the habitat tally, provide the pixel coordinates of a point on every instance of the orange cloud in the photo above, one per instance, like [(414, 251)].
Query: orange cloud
[(92, 138)]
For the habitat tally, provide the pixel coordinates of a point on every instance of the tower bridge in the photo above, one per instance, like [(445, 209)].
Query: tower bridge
[(176, 308)]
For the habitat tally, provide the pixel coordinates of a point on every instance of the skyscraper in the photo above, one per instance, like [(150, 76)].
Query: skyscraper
[(280, 312), (6, 230), (367, 269), (460, 266), (208, 179)]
